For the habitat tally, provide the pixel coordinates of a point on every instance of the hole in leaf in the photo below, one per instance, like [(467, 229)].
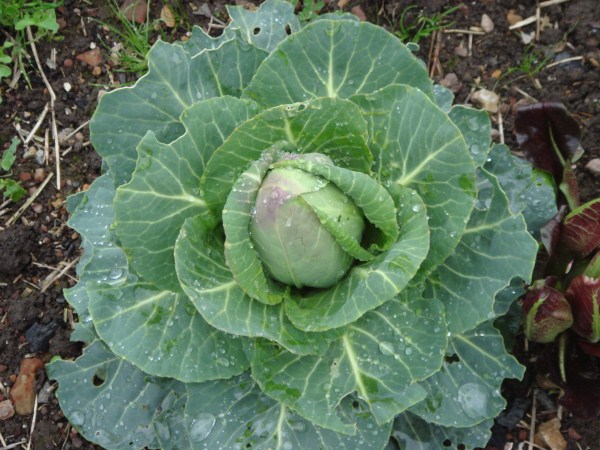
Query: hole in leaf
[(451, 359), (288, 29), (97, 380), (355, 404), (447, 443), (256, 31)]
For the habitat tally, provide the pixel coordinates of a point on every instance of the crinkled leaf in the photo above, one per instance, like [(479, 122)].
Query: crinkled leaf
[(332, 127), (108, 400), (208, 282), (475, 126), (175, 81), (416, 145), (335, 59), (368, 285), (413, 433), (162, 333), (266, 27), (466, 391), (530, 191), (495, 247), (380, 357), (164, 190)]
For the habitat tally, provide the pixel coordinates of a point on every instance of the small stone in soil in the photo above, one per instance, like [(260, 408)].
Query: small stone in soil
[(6, 410), (486, 100), (486, 24), (39, 335), (593, 166)]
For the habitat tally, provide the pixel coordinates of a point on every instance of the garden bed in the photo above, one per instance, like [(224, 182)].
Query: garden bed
[(556, 57)]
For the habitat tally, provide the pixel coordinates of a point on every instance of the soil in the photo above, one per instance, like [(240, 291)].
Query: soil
[(38, 251)]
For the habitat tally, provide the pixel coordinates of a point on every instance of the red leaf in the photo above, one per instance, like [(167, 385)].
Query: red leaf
[(546, 312), (580, 232), (540, 127), (583, 295)]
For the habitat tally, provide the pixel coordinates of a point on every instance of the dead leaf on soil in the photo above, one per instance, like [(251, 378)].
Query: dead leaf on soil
[(549, 435), (92, 58), (135, 9), (167, 16), (512, 17), (22, 393), (358, 12)]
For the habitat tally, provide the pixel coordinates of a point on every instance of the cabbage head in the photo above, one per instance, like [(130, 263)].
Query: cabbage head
[(297, 243)]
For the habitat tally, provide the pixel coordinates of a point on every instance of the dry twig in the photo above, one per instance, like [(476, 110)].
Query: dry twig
[(29, 201), (532, 426), (564, 61), (56, 273), (52, 100), (37, 124), (15, 445), (457, 31), (33, 419)]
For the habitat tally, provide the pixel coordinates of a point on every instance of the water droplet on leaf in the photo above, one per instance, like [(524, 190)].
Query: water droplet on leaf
[(386, 348), (201, 427)]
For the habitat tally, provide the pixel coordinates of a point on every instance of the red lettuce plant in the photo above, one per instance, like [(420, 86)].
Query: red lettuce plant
[(563, 306)]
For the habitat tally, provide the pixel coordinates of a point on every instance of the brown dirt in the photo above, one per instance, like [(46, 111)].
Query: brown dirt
[(40, 242)]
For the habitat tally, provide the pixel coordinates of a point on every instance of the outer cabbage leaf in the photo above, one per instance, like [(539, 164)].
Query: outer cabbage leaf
[(233, 414), (174, 82), (126, 401), (103, 261), (466, 392), (475, 126), (416, 145), (164, 190), (163, 334), (494, 248), (266, 27), (530, 191), (380, 357), (413, 433), (335, 59)]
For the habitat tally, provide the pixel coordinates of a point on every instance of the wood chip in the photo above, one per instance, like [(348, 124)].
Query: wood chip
[(512, 17)]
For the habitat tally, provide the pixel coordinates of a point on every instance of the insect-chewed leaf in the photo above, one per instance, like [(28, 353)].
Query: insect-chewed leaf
[(327, 59)]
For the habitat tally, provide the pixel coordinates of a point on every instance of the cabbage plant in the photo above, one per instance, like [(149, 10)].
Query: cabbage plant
[(298, 243)]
